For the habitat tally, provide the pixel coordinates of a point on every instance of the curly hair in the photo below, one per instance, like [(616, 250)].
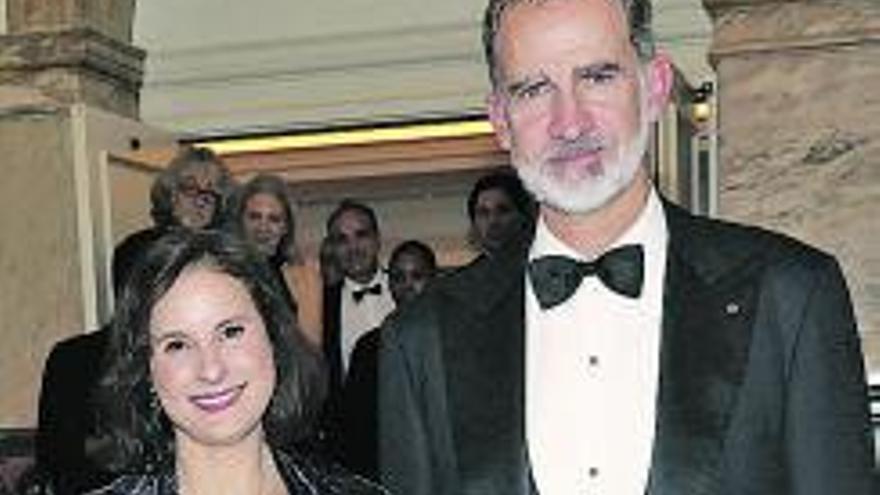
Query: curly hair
[(141, 436), (169, 180), (277, 188), (638, 15)]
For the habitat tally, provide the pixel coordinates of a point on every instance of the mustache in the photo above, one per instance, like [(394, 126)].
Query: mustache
[(587, 143)]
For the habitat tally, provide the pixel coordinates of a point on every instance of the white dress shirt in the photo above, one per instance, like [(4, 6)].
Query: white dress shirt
[(358, 318), (592, 366)]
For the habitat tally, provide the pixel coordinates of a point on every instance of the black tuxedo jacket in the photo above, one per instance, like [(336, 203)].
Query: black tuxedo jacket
[(761, 391), (330, 341), (68, 414)]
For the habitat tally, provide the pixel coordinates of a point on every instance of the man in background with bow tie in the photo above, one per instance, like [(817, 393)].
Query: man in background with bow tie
[(357, 304), (361, 300), (629, 347)]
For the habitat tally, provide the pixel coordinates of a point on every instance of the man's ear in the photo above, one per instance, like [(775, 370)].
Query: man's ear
[(495, 104), (659, 79)]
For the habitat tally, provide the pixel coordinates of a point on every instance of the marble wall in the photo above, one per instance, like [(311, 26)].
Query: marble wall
[(799, 120)]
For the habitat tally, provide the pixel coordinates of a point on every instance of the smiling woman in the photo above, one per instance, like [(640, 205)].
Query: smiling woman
[(209, 384)]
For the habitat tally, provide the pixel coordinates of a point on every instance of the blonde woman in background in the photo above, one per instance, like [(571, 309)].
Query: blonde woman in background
[(264, 216)]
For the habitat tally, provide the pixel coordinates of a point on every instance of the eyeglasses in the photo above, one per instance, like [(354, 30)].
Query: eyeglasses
[(196, 193)]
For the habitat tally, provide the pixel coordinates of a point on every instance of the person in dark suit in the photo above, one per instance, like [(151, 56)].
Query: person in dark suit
[(67, 422), (361, 300), (411, 268), (352, 307), (628, 347)]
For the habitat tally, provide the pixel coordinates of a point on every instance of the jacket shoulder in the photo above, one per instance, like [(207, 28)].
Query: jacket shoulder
[(719, 247)]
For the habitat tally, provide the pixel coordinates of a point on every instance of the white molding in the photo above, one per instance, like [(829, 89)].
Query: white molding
[(347, 71)]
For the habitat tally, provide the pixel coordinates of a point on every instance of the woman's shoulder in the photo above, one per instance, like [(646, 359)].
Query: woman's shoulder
[(307, 475)]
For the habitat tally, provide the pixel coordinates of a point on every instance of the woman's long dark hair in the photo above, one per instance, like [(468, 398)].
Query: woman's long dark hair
[(140, 433)]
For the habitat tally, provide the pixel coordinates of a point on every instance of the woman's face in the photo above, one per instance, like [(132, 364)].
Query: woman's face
[(211, 360), (264, 222)]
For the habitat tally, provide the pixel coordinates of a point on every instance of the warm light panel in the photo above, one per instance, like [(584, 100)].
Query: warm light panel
[(409, 132)]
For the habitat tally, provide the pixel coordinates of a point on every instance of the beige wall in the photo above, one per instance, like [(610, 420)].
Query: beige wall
[(56, 231), (39, 254)]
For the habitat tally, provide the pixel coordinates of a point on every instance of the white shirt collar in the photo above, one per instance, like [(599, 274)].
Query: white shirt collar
[(649, 230), (353, 285)]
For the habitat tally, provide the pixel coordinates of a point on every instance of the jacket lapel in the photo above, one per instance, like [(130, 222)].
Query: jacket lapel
[(331, 340), (704, 350), (707, 323)]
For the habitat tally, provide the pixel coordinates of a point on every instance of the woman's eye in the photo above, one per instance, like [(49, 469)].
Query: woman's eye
[(173, 346), (232, 331)]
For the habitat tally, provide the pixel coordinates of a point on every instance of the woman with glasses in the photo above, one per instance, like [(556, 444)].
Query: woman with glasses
[(193, 192)]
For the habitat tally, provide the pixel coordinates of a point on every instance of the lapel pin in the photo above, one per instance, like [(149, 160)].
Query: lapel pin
[(732, 308)]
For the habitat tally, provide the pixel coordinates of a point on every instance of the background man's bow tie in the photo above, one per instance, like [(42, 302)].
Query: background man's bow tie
[(358, 295), (555, 278)]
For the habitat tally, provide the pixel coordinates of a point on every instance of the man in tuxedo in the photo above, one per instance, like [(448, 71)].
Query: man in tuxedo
[(352, 307), (628, 347)]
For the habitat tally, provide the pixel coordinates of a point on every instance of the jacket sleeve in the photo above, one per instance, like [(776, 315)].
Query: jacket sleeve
[(828, 433), (415, 447), (404, 463)]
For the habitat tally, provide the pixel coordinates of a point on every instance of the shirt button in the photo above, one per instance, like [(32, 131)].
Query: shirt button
[(593, 472), (593, 361)]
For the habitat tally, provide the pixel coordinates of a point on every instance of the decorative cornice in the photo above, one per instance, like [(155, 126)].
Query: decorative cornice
[(81, 49), (715, 6), (755, 26)]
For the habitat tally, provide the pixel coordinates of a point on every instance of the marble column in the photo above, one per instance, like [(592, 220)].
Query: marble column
[(75, 51), (799, 128), (60, 60)]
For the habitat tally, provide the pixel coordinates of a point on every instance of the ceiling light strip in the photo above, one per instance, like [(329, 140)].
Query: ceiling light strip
[(409, 132)]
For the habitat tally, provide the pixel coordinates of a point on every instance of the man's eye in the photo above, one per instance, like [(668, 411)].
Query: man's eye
[(529, 91), (601, 75), (232, 331)]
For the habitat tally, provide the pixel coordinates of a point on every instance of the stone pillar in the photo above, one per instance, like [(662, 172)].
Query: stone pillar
[(799, 127), (75, 51), (62, 59)]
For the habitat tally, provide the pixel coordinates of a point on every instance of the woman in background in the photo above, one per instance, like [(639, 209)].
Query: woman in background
[(209, 382), (264, 216)]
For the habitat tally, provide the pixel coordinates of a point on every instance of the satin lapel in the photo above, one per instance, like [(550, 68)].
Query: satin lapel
[(330, 342), (704, 352), (483, 345)]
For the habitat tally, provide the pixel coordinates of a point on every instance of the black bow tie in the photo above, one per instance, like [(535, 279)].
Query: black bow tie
[(555, 278), (358, 295)]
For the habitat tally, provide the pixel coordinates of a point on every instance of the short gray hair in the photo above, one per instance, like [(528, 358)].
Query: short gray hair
[(638, 15)]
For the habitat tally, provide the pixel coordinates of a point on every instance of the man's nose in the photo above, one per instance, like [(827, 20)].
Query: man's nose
[(570, 117)]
